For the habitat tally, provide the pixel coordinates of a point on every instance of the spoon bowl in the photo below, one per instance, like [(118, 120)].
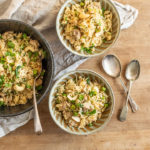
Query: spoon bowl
[(133, 70), (111, 65)]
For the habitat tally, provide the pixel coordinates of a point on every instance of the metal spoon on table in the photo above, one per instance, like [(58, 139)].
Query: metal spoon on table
[(112, 67), (132, 74), (37, 123)]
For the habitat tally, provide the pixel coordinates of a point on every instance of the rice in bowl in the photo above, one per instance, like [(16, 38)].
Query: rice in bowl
[(86, 25), (81, 101)]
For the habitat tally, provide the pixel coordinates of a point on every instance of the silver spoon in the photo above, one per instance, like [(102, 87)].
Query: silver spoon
[(132, 74), (112, 67), (37, 123)]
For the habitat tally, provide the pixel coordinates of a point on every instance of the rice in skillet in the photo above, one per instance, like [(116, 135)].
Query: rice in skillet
[(20, 63)]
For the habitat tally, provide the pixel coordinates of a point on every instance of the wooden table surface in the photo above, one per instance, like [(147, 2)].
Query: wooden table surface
[(134, 134)]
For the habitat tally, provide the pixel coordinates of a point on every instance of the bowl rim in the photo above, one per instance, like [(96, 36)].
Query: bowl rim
[(52, 59), (70, 49), (73, 72)]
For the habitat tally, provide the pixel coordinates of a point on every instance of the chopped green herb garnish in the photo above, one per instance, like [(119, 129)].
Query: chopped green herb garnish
[(73, 101), (39, 87), (73, 107), (88, 50), (92, 93), (36, 54), (1, 80), (82, 113), (2, 60), (106, 105), (12, 81), (42, 73), (44, 54), (76, 13), (17, 71), (24, 35), (10, 68), (5, 66), (85, 113), (75, 113), (28, 86), (24, 63), (81, 97), (12, 64), (92, 112), (34, 59), (64, 94), (88, 81), (35, 72), (9, 53), (104, 41), (90, 124), (1, 103), (103, 10), (10, 44), (103, 89), (8, 85), (79, 105), (0, 36), (81, 4), (103, 98), (30, 54), (97, 30), (92, 46), (66, 18)]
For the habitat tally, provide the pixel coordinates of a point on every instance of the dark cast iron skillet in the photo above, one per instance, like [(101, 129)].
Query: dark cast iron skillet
[(47, 64)]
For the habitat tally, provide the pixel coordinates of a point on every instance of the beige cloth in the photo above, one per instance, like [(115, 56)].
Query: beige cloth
[(42, 15)]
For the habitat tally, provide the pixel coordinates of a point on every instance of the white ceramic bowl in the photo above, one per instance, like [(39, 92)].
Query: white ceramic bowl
[(100, 123), (108, 5)]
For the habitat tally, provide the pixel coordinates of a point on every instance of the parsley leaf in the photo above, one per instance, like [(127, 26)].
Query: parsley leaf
[(17, 71)]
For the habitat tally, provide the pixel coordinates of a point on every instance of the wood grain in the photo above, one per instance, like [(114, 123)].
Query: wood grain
[(134, 134)]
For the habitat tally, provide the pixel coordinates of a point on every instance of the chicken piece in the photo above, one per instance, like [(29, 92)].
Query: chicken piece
[(76, 34), (87, 105), (83, 15), (38, 82), (23, 100), (16, 99), (19, 88), (66, 115), (72, 98), (75, 118), (34, 43), (29, 48), (1, 68)]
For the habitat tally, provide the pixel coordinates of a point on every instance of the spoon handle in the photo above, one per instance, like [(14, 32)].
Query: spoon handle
[(133, 104), (124, 111), (37, 124)]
